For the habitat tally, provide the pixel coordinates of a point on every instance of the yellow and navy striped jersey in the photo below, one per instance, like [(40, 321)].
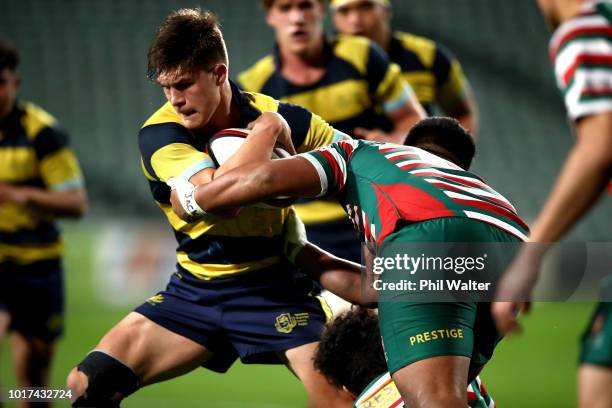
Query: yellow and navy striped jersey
[(33, 152), (433, 72), (359, 89), (216, 247)]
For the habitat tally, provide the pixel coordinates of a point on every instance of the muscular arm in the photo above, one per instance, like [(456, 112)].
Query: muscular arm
[(269, 128), (255, 182), (70, 203), (584, 177), (585, 174)]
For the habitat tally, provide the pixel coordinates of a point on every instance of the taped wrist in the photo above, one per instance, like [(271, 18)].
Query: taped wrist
[(185, 192)]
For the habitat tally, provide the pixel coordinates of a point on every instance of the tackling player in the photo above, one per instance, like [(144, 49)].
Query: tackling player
[(396, 194)]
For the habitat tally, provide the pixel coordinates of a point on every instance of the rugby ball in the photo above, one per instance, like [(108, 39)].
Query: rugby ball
[(223, 144)]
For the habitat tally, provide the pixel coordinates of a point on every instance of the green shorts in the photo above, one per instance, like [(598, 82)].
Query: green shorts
[(413, 331), (597, 338)]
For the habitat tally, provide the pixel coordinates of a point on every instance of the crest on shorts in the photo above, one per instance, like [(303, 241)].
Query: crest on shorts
[(286, 322)]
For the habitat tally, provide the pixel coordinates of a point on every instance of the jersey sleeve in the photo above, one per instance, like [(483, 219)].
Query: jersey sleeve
[(59, 167), (332, 164), (583, 68), (166, 151), (308, 131), (452, 86), (386, 83)]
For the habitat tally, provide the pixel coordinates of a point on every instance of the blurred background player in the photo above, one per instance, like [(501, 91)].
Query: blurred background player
[(348, 81), (581, 50), (406, 196), (432, 71), (40, 180), (234, 295), (351, 356)]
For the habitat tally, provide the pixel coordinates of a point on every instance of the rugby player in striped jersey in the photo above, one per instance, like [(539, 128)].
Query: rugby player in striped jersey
[(394, 194), (581, 51)]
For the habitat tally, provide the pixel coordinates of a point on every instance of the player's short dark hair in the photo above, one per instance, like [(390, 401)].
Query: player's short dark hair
[(189, 40), (9, 58), (350, 352), (266, 4), (456, 144)]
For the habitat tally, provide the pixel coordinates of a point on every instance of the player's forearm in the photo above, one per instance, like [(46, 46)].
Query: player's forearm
[(467, 114), (72, 203), (339, 276), (246, 185), (404, 119), (583, 179)]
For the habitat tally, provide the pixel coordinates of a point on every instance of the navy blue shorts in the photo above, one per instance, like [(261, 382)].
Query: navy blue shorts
[(251, 317), (33, 295)]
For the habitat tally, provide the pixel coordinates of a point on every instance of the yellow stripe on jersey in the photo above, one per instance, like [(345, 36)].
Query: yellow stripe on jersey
[(262, 102), (424, 48), (254, 79), (455, 90), (336, 102), (18, 164), (24, 255), (216, 271), (173, 160), (354, 50), (250, 222), (393, 90), (165, 114), (60, 168), (35, 120), (320, 133), (14, 217), (423, 83), (145, 171), (319, 211)]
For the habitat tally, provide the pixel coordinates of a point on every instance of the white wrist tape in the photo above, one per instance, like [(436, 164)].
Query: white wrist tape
[(185, 192)]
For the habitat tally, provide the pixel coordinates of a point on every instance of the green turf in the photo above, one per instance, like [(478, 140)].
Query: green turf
[(535, 369)]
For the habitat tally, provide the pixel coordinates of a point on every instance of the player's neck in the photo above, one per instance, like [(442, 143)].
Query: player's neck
[(227, 114), (383, 38), (303, 68)]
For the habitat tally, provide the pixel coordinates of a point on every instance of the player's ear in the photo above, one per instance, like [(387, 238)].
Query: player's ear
[(220, 71)]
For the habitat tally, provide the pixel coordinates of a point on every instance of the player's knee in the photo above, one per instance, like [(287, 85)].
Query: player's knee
[(100, 380)]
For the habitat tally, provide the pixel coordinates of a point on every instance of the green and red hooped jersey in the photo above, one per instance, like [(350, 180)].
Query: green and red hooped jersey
[(380, 184), (581, 51)]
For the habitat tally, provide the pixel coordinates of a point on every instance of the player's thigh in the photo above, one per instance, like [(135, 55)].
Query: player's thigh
[(594, 386), (435, 379), (153, 352), (414, 331)]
